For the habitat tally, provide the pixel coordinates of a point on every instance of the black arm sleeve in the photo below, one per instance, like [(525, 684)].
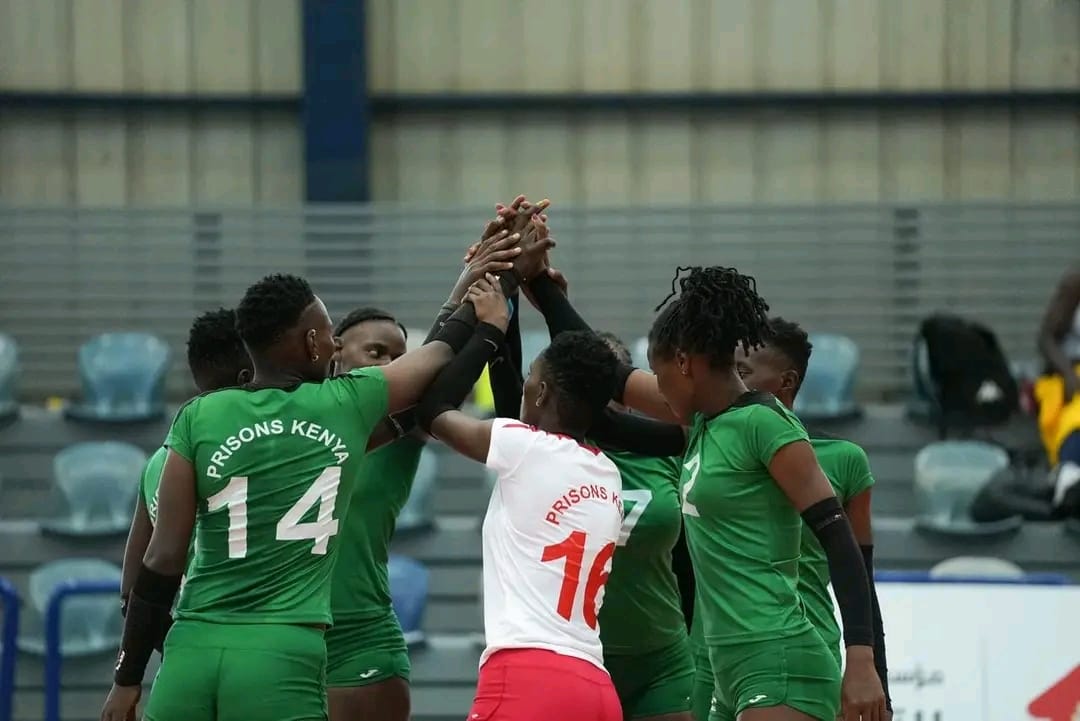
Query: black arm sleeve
[(684, 576), (827, 520), (553, 303), (457, 328), (147, 620), (637, 434), (503, 370), (444, 315), (879, 626), (456, 379)]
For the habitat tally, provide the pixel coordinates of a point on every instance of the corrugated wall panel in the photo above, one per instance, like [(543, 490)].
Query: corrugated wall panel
[(150, 158), (773, 157), (153, 46), (682, 45)]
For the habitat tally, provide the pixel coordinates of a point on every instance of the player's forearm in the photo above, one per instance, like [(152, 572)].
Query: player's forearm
[(137, 542), (880, 663), (145, 624), (559, 314), (503, 370), (640, 391), (453, 383), (635, 434), (846, 570)]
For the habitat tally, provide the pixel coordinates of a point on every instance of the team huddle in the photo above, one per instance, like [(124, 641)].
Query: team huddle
[(658, 545)]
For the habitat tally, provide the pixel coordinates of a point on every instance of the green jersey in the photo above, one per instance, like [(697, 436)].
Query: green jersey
[(274, 472), (361, 583), (848, 470), (151, 479), (641, 610), (742, 531)]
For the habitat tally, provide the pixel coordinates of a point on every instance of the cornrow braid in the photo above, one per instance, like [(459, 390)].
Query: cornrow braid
[(710, 311)]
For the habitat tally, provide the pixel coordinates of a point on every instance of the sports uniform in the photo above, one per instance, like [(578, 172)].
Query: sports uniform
[(150, 480), (848, 469), (548, 537), (744, 537), (271, 466), (646, 649), (365, 644)]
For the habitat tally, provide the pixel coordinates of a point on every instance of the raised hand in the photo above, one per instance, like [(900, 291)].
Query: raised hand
[(494, 254), (535, 244), (490, 303)]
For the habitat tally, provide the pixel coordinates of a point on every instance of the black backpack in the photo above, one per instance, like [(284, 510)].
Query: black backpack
[(970, 377)]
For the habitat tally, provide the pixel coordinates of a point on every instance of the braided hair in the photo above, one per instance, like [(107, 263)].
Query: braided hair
[(712, 311), (580, 367)]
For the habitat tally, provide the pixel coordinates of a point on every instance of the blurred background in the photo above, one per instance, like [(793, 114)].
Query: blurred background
[(871, 162)]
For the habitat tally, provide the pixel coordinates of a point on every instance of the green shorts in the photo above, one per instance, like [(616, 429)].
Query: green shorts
[(362, 652), (704, 683), (240, 672), (798, 672), (653, 683)]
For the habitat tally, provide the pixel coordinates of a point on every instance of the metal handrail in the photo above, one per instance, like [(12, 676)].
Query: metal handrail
[(53, 655), (9, 598)]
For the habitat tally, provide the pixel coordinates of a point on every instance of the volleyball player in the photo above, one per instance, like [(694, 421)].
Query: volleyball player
[(368, 665), (642, 629), (217, 359), (749, 473), (778, 367), (260, 469), (550, 528)]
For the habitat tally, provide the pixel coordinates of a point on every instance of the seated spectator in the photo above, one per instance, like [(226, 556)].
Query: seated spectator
[(1057, 391)]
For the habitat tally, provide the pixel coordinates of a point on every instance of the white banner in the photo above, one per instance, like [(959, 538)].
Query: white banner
[(982, 652)]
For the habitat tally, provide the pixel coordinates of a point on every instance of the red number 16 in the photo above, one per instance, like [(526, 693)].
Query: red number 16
[(573, 550)]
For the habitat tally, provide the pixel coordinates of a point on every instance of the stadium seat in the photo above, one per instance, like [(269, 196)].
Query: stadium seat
[(88, 624), (409, 593), (827, 392), (99, 481), (976, 567), (123, 378), (948, 476), (533, 343), (639, 352), (923, 405), (9, 374), (417, 514)]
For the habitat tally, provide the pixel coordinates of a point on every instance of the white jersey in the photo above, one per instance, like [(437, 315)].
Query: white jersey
[(549, 534)]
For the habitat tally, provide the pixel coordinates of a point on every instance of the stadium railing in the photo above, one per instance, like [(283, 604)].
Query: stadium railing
[(871, 272), (10, 603), (54, 658)]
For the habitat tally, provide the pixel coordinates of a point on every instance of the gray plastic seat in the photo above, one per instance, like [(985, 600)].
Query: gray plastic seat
[(976, 567), (533, 343), (923, 405), (99, 481), (9, 375), (88, 624), (639, 352), (948, 476), (123, 378), (417, 513), (828, 391)]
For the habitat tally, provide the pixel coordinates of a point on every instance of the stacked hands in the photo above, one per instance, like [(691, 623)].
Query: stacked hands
[(517, 241)]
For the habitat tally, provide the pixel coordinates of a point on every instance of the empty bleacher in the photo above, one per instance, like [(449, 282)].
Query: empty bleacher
[(444, 672)]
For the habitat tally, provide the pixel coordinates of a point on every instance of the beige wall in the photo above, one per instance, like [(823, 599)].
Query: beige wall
[(138, 157), (726, 45)]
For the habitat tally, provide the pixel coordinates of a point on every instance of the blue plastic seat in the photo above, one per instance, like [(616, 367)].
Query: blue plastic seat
[(99, 481), (88, 624), (948, 476), (639, 352), (409, 594), (417, 513), (828, 391), (123, 378), (533, 343), (9, 375)]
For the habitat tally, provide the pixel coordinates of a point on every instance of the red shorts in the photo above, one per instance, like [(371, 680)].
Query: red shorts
[(533, 685)]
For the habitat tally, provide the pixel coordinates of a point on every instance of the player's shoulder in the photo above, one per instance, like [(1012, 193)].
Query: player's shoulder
[(369, 374), (824, 443)]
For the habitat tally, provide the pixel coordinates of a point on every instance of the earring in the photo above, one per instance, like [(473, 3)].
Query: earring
[(683, 371), (315, 358), (537, 402)]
